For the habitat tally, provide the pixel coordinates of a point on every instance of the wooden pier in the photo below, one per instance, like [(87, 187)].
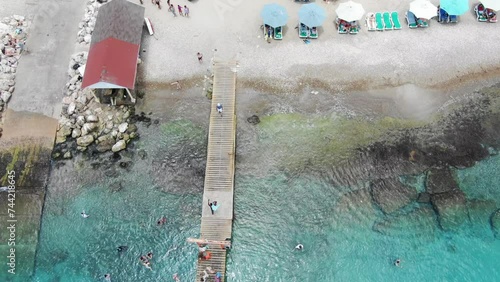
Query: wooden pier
[(219, 175)]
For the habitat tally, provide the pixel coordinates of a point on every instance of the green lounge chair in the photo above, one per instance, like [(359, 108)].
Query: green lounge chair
[(422, 23), (342, 29), (303, 31), (387, 21), (354, 29), (278, 33), (379, 21), (313, 33), (395, 20)]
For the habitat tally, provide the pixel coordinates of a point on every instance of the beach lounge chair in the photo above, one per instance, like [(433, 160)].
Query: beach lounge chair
[(411, 20), (278, 33), (313, 33), (453, 18), (395, 20), (443, 16), (422, 22), (342, 29), (379, 21), (387, 21), (354, 28), (303, 31), (480, 14), (371, 25)]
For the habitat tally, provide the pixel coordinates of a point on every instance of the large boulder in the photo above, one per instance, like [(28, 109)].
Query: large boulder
[(440, 180), (495, 223), (120, 145), (451, 209), (106, 142), (390, 195), (88, 127), (85, 140), (418, 223), (480, 212), (65, 130)]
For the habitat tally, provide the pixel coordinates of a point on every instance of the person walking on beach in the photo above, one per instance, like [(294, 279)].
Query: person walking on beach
[(200, 57), (157, 3), (179, 7), (172, 9), (186, 11)]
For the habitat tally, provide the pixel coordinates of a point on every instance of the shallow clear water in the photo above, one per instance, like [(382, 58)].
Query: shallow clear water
[(346, 236)]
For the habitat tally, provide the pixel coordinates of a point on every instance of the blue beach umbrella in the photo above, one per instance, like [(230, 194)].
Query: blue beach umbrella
[(312, 15), (274, 15), (454, 7)]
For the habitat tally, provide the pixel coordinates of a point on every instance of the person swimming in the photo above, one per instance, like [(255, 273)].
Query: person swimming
[(84, 215), (149, 255), (121, 248), (397, 262), (299, 247), (161, 221), (107, 277)]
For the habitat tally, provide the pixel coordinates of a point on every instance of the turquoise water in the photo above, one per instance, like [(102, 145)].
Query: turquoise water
[(346, 236)]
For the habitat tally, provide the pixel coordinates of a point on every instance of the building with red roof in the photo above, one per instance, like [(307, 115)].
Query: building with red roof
[(115, 46)]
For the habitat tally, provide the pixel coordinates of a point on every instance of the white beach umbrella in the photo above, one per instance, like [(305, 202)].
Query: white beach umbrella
[(491, 4), (423, 9), (350, 11)]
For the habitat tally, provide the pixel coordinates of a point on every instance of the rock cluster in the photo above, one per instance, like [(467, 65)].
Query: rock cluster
[(391, 195), (87, 24), (88, 122), (12, 41)]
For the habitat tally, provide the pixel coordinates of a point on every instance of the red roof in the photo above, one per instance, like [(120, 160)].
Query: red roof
[(111, 61)]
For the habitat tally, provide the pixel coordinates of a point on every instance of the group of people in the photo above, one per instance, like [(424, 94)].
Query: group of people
[(206, 275), (183, 11), (146, 260)]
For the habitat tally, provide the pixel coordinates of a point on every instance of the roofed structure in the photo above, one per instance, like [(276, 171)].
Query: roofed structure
[(115, 45)]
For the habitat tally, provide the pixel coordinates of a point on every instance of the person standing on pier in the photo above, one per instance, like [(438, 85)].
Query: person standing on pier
[(219, 108), (211, 206)]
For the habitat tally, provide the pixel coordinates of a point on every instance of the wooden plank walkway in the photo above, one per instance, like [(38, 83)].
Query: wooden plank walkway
[(219, 174)]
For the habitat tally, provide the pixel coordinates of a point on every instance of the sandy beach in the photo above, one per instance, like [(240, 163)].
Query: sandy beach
[(437, 56)]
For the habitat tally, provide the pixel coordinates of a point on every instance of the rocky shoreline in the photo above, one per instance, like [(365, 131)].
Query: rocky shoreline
[(87, 24), (12, 41)]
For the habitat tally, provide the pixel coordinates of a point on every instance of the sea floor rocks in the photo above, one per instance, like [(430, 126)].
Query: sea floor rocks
[(440, 180), (355, 209), (451, 209), (418, 223), (495, 223), (391, 195), (480, 212)]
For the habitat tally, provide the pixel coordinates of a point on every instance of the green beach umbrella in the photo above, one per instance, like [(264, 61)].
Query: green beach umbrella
[(274, 15), (454, 7), (312, 15)]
